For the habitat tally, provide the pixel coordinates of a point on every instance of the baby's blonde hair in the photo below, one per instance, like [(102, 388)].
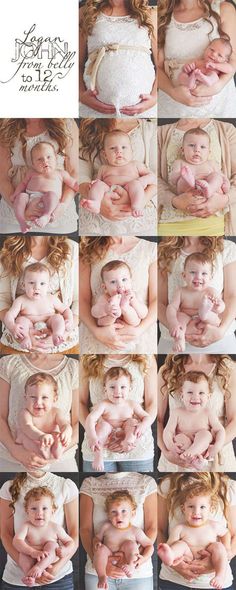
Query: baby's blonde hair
[(36, 267), (115, 373), (198, 257), (37, 494), (38, 378), (113, 265), (195, 377), (182, 484), (118, 497)]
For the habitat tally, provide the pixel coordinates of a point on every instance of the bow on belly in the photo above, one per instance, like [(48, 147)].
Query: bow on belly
[(96, 56)]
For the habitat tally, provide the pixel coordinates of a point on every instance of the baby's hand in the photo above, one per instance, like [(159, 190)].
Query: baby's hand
[(66, 432), (176, 331), (47, 440), (18, 332), (188, 68), (12, 198), (212, 452), (94, 443), (39, 555), (140, 429), (63, 551), (211, 65)]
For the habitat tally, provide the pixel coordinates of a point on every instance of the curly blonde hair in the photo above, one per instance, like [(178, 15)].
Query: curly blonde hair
[(166, 9), (17, 249), (182, 485), (93, 364), (92, 133), (37, 494), (119, 496), (175, 366), (138, 9), (170, 248), (15, 488), (92, 249), (12, 129)]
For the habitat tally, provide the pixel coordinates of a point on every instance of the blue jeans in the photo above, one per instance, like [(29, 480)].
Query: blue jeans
[(65, 583), (120, 584), (141, 466), (165, 585)]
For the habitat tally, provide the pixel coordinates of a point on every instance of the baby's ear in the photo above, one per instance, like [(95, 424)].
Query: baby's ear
[(103, 286)]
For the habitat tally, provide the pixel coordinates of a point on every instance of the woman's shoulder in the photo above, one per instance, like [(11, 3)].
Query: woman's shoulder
[(231, 493), (8, 364), (69, 490), (227, 10), (149, 249), (4, 491), (229, 252)]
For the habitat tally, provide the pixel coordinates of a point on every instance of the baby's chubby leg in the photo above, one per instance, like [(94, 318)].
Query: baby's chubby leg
[(114, 311), (26, 562), (19, 205), (213, 183), (136, 194), (95, 195), (200, 444), (219, 561), (129, 429), (100, 559), (57, 448), (50, 201), (205, 311), (182, 441), (25, 324), (186, 180), (103, 429), (131, 552), (172, 555), (57, 324), (178, 332), (37, 569)]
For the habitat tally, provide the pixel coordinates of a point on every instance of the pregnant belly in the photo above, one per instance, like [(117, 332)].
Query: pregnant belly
[(122, 76)]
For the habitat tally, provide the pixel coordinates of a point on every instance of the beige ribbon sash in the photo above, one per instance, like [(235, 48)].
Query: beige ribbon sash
[(96, 56)]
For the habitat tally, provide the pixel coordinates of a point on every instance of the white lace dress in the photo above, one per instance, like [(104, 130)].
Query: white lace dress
[(144, 448), (175, 280), (139, 259), (226, 460), (202, 581), (140, 486), (64, 490), (143, 142), (15, 369), (8, 223), (123, 74), (186, 42)]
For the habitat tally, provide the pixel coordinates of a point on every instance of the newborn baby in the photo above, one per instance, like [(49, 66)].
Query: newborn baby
[(199, 532), (119, 534), (197, 300), (118, 300), (38, 308), (115, 412), (42, 427), (37, 539), (195, 170), (43, 180), (194, 428), (120, 170), (208, 70)]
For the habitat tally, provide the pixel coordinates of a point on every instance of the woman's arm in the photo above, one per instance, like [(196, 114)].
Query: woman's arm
[(181, 94), (83, 396), (6, 187), (7, 530), (71, 166), (230, 407), (150, 389), (231, 519), (150, 526), (86, 524)]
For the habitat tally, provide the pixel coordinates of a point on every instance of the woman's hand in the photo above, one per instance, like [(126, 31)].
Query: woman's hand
[(184, 96), (33, 209), (114, 571), (210, 206), (114, 442), (203, 90), (190, 570), (209, 335), (176, 459), (29, 459), (115, 206), (88, 97), (110, 336), (187, 201), (147, 102)]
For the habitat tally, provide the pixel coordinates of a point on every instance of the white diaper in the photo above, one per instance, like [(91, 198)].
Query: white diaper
[(35, 195)]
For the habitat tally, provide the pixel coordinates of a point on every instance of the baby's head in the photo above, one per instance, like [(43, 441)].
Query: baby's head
[(195, 390), (43, 157), (116, 277), (120, 507), (117, 148), (39, 505), (36, 280), (218, 51), (198, 271), (196, 146), (117, 383), (41, 393), (197, 502)]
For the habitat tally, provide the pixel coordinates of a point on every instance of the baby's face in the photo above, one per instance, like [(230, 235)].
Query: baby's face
[(196, 148), (40, 511), (195, 396), (120, 514), (44, 159), (117, 280), (117, 389), (36, 284), (197, 275), (117, 150), (39, 399), (197, 510), (217, 52)]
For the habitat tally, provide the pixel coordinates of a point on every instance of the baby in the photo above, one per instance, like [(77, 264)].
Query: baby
[(195, 170), (208, 70), (118, 534), (199, 532), (120, 170), (42, 427), (197, 300), (115, 412), (37, 540), (38, 309), (194, 428), (44, 180), (118, 299)]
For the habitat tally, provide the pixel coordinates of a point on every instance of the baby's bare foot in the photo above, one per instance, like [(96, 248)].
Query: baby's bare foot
[(129, 569), (98, 464), (43, 220), (165, 553), (46, 451), (93, 206), (137, 212), (24, 227), (187, 175), (26, 343), (28, 580), (102, 582), (57, 448), (218, 581), (206, 306), (57, 339), (204, 188)]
